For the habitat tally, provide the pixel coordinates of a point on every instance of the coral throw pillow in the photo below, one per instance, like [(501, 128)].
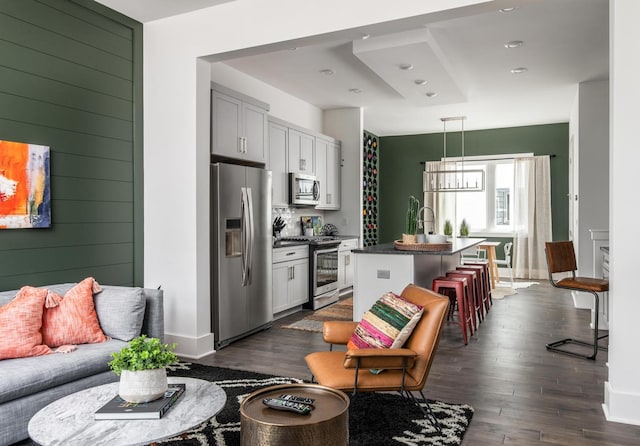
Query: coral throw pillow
[(72, 319), (388, 324), (20, 323)]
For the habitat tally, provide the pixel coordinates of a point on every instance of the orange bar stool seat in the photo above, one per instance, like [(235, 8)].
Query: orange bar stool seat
[(459, 287)]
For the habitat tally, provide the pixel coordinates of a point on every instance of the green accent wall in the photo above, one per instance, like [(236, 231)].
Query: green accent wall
[(401, 169), (71, 79)]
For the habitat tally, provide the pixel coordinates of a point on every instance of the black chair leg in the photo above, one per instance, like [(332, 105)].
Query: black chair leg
[(553, 346), (426, 409)]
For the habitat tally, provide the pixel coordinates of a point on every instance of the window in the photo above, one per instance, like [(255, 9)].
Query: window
[(490, 211)]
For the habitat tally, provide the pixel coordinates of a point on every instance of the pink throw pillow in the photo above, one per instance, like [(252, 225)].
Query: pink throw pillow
[(72, 319), (20, 323)]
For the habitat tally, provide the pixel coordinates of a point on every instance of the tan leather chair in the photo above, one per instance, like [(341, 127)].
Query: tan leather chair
[(561, 258), (405, 369)]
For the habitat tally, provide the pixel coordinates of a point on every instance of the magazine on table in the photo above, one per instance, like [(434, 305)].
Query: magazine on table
[(119, 409)]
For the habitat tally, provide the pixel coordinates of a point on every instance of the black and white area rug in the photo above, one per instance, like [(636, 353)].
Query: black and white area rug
[(374, 418)]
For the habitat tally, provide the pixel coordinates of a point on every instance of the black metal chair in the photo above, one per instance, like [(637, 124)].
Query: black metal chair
[(561, 258)]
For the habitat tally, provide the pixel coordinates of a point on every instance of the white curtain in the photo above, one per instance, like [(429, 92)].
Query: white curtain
[(532, 219), (443, 204)]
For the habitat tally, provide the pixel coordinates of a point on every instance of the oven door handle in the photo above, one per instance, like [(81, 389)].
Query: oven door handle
[(326, 250)]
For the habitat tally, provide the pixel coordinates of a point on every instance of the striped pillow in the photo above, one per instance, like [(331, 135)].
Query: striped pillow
[(388, 324), (20, 323)]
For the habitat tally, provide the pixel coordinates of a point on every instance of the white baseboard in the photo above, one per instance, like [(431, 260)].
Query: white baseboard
[(621, 407), (192, 348)]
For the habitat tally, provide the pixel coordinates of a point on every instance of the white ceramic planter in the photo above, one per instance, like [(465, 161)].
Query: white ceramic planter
[(142, 386)]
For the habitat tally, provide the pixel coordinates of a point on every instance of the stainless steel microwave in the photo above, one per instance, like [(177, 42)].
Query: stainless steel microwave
[(304, 190)]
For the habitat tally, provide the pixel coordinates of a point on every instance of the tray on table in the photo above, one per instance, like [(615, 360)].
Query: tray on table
[(400, 245)]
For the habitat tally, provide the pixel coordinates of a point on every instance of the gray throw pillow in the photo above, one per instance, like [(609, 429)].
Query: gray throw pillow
[(120, 311)]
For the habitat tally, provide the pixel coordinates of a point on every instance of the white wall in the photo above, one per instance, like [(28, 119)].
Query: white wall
[(347, 125), (282, 105), (589, 128), (176, 132), (594, 169), (622, 390)]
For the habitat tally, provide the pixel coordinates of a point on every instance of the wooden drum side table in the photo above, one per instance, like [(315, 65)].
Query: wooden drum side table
[(327, 424)]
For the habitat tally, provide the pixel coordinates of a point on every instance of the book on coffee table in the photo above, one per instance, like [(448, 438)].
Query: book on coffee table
[(119, 409)]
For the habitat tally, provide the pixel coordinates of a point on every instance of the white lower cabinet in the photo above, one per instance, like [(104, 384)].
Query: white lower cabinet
[(345, 264), (290, 277)]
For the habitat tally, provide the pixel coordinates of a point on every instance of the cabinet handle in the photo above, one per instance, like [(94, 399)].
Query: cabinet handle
[(291, 253), (293, 272), (347, 259), (244, 144), (240, 144)]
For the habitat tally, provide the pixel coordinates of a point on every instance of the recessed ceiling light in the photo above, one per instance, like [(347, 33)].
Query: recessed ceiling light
[(327, 72), (406, 66), (514, 44), (518, 70), (431, 94), (420, 82), (355, 90), (365, 36), (293, 48), (507, 9)]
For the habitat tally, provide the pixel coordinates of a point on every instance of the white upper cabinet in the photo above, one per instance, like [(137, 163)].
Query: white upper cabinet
[(295, 150), (301, 152), (328, 172), (278, 144), (238, 126)]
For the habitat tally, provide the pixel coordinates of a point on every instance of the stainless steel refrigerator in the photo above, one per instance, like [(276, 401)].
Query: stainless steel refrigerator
[(241, 251)]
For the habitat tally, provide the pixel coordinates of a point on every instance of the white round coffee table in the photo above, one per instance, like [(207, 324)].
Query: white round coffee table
[(69, 420)]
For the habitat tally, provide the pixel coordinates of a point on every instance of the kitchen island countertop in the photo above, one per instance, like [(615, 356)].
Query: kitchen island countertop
[(457, 245)]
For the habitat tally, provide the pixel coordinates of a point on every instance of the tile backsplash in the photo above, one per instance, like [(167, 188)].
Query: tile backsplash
[(291, 216)]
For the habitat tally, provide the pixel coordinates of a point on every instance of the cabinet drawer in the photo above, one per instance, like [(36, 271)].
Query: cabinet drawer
[(290, 253), (348, 245)]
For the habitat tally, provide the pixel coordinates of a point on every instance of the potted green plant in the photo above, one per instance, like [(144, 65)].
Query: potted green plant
[(464, 228), (141, 367), (409, 236), (448, 229)]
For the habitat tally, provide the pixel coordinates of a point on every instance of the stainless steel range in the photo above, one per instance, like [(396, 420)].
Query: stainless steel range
[(323, 269)]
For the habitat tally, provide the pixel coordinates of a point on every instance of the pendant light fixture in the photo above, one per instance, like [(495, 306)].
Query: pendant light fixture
[(452, 176)]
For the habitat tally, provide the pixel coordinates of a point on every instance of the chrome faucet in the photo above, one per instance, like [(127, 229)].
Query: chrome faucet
[(422, 221)]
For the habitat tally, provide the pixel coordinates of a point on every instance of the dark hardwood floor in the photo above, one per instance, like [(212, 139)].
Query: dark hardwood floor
[(522, 394)]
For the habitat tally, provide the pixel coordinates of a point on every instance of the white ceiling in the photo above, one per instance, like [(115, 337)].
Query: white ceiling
[(461, 56)]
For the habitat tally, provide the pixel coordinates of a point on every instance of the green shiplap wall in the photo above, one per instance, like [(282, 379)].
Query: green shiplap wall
[(71, 79), (401, 171)]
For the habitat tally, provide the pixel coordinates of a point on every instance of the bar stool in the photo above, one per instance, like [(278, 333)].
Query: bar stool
[(486, 282), (460, 287), (475, 304), (482, 284)]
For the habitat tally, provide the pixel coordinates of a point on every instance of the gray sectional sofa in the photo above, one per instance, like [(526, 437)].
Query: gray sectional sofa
[(29, 384)]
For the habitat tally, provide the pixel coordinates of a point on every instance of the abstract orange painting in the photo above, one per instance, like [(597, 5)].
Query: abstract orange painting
[(25, 195)]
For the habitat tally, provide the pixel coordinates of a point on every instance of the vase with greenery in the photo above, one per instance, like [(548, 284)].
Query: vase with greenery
[(141, 367), (464, 228), (448, 229), (411, 225)]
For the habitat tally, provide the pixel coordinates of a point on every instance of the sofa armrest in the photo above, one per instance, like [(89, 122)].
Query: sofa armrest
[(380, 358), (338, 332), (153, 324)]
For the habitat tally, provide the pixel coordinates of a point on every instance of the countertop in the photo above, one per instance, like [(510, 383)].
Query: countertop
[(290, 243), (458, 244)]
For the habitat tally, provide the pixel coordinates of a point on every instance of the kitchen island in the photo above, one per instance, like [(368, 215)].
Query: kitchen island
[(383, 268)]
